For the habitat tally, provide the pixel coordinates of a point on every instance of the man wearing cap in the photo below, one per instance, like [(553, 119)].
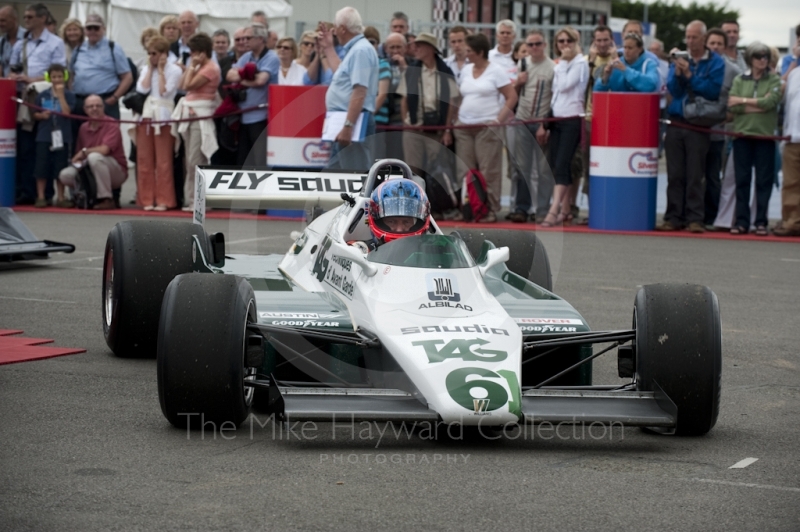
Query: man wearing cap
[(100, 67), (429, 92)]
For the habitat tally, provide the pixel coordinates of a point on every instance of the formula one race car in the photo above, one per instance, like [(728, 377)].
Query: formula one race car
[(457, 329)]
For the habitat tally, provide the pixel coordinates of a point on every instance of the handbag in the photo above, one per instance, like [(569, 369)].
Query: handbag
[(702, 112), (134, 101)]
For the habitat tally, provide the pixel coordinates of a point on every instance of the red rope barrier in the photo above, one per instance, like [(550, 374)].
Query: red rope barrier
[(477, 126), (151, 122), (701, 129)]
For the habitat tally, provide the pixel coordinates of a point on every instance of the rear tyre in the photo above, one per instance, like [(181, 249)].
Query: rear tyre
[(202, 349), (679, 349), (528, 257), (141, 258)]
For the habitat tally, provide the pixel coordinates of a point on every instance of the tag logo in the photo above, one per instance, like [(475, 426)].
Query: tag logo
[(467, 350)]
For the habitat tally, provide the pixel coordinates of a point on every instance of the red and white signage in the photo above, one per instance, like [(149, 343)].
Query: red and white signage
[(294, 129)]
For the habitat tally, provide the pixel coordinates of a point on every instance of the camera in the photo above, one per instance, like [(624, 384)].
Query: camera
[(680, 55), (16, 69), (620, 54)]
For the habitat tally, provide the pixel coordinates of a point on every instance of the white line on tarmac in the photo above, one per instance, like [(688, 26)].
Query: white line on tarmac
[(746, 484), (74, 260), (790, 260), (255, 239), (741, 464), (38, 300)]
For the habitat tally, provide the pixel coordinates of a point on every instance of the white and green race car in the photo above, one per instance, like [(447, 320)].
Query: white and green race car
[(460, 328)]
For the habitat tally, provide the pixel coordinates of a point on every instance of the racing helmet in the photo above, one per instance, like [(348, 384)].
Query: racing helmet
[(398, 197)]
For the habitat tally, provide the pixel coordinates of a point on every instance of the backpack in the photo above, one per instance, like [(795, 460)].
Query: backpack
[(475, 198), (84, 195)]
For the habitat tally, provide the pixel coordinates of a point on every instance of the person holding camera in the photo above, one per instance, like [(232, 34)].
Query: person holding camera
[(695, 75), (30, 58), (631, 72), (429, 93), (10, 33), (753, 100)]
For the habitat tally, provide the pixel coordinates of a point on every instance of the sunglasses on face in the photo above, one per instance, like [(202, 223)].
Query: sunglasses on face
[(283, 47), (532, 44), (759, 56), (566, 41), (92, 28)]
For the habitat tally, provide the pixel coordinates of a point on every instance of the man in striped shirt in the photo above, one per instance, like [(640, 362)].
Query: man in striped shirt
[(533, 186)]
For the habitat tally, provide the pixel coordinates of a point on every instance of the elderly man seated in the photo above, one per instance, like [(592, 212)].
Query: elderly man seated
[(99, 145)]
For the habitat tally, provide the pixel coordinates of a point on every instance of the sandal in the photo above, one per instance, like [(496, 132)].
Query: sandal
[(738, 230), (557, 219), (761, 230)]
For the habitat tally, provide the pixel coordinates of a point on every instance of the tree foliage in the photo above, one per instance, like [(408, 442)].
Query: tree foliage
[(672, 18)]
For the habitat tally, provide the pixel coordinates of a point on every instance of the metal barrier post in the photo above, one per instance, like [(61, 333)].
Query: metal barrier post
[(623, 170), (8, 142)]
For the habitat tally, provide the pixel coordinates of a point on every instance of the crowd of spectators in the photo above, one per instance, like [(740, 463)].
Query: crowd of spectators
[(523, 97)]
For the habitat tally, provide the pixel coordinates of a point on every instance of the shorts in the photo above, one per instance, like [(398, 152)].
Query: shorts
[(49, 163)]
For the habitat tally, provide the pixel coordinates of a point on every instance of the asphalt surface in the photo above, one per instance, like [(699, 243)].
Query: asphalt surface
[(84, 446)]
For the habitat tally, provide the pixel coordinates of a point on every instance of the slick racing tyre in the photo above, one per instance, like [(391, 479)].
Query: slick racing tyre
[(202, 337), (141, 258), (679, 350), (528, 257)]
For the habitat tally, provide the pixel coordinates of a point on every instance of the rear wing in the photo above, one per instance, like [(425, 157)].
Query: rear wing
[(290, 188)]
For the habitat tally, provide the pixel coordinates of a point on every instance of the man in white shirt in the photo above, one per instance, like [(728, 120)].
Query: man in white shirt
[(506, 31), (457, 39), (790, 193)]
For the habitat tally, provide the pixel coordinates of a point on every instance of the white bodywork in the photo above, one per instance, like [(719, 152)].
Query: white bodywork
[(455, 342)]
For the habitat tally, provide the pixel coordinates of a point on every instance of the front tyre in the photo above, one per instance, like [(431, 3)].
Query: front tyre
[(202, 349), (140, 260), (679, 349)]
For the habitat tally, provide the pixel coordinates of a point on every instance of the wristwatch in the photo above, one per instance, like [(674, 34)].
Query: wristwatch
[(348, 123)]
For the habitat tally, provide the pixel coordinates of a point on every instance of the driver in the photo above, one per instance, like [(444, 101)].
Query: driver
[(397, 208)]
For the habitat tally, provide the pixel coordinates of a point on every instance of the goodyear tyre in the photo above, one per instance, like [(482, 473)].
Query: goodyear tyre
[(679, 351), (141, 258), (202, 336)]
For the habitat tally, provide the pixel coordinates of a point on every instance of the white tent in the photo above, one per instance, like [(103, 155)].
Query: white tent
[(125, 19)]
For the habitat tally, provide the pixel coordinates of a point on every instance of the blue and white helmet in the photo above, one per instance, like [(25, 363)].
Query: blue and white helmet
[(398, 197)]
